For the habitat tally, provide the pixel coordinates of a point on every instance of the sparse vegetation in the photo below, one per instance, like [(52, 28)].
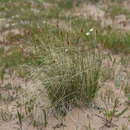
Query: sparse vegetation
[(110, 109), (54, 60)]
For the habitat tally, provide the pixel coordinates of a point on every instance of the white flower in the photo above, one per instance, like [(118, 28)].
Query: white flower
[(87, 33), (91, 30), (66, 50)]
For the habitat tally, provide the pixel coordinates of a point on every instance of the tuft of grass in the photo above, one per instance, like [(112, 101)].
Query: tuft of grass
[(68, 4), (110, 109), (20, 120), (72, 79), (14, 57), (5, 115), (116, 41), (115, 10)]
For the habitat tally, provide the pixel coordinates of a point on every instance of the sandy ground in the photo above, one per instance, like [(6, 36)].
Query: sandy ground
[(80, 119), (77, 118)]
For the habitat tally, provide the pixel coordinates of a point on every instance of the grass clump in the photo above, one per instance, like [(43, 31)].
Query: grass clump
[(115, 10), (116, 41), (73, 79)]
